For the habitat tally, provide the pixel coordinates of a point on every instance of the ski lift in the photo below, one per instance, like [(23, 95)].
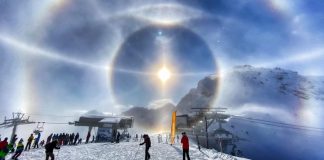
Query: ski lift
[(39, 128)]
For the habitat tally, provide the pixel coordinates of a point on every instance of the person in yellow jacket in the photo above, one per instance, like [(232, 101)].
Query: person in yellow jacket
[(29, 141), (19, 149)]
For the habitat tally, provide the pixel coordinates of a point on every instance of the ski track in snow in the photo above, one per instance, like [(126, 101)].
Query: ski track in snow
[(125, 151)]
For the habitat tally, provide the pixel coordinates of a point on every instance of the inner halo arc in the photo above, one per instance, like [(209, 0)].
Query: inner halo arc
[(215, 72)]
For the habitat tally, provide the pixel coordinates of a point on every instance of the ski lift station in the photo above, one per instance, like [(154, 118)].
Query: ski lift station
[(107, 124)]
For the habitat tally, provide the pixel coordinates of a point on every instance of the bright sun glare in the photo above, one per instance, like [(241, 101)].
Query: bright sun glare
[(164, 74)]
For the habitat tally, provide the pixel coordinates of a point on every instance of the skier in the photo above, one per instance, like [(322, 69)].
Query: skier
[(49, 149), (55, 137), (4, 149), (60, 138), (177, 138), (19, 149), (80, 141), (117, 137), (71, 138), (42, 143), (185, 146), (88, 137), (76, 138), (147, 143), (13, 142), (66, 139), (136, 137), (49, 138), (29, 141), (4, 143), (36, 141), (93, 139)]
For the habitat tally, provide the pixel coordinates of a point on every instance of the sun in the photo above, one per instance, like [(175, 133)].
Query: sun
[(164, 74)]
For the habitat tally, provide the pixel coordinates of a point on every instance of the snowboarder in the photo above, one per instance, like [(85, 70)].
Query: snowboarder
[(185, 146), (19, 149), (147, 143), (49, 148), (29, 141)]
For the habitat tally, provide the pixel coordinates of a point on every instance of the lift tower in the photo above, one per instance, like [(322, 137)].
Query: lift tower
[(16, 120)]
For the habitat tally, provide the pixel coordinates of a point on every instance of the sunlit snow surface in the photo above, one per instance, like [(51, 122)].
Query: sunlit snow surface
[(125, 151)]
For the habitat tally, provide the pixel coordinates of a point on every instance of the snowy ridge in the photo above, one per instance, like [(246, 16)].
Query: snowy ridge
[(247, 84), (285, 81)]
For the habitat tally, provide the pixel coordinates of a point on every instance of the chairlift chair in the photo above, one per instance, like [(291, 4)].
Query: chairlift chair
[(39, 128)]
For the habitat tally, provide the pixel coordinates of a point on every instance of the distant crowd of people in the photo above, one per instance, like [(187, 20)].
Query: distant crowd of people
[(54, 141)]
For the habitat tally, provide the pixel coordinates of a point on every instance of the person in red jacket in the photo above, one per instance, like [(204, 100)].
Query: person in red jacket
[(4, 144), (185, 146)]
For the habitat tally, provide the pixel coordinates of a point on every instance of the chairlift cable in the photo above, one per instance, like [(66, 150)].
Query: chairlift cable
[(282, 126), (281, 123)]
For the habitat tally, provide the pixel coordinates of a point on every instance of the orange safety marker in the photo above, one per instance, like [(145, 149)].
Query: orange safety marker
[(173, 126)]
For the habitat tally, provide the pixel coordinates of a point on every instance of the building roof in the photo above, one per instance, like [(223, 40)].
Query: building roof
[(111, 120), (98, 119)]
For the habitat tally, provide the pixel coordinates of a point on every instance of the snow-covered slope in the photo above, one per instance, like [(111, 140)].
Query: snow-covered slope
[(126, 151)]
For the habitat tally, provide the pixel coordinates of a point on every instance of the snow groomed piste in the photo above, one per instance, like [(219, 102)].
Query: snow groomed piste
[(126, 151)]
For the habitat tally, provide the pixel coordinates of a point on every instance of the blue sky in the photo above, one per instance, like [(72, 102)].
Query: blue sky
[(77, 56)]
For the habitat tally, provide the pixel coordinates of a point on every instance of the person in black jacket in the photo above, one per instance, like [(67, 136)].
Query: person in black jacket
[(117, 137), (147, 143), (49, 147)]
